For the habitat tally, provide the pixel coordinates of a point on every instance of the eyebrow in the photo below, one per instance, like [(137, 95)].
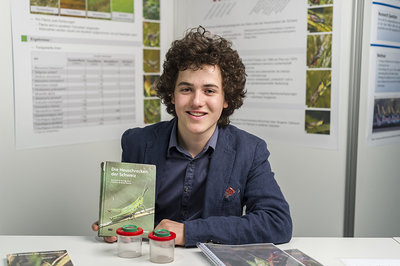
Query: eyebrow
[(184, 83)]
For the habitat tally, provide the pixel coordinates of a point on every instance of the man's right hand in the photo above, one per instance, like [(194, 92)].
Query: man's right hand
[(108, 239)]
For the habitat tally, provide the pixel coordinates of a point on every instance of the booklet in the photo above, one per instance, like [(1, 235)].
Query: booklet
[(302, 257), (55, 257), (127, 196), (250, 254)]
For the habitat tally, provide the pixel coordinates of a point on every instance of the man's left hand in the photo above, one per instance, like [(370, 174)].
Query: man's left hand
[(177, 228)]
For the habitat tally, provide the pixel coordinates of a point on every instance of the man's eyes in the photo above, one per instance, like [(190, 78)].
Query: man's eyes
[(185, 89), (206, 91)]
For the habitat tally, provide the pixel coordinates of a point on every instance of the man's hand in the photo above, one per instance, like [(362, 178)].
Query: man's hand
[(108, 239), (177, 228)]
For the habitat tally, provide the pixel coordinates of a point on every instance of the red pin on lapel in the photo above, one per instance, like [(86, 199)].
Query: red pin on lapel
[(229, 192)]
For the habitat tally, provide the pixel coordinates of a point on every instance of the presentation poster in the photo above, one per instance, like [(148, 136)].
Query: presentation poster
[(384, 88), (83, 69), (291, 53)]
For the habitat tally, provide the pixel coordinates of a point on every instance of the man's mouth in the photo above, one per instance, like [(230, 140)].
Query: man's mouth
[(197, 114)]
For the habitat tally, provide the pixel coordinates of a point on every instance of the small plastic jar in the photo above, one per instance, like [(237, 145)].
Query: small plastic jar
[(162, 245), (129, 241)]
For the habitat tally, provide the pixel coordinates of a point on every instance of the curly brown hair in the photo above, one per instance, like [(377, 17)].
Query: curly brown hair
[(199, 47)]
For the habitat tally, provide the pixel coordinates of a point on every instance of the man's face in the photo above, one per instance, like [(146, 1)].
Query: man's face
[(199, 101)]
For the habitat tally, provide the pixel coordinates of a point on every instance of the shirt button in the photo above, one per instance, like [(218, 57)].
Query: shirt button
[(185, 189)]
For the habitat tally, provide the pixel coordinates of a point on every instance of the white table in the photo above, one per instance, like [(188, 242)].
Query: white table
[(89, 250), (330, 251)]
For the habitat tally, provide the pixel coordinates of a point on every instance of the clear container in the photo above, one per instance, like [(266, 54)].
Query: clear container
[(129, 241), (162, 245)]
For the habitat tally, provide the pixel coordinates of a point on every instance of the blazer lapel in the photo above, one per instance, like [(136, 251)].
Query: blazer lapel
[(219, 173)]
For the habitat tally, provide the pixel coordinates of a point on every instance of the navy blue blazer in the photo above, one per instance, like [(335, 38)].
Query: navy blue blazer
[(239, 162)]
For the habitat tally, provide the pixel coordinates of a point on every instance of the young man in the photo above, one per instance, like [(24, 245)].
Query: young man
[(208, 170)]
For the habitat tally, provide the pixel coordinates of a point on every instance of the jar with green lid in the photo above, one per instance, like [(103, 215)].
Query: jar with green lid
[(129, 241), (162, 245)]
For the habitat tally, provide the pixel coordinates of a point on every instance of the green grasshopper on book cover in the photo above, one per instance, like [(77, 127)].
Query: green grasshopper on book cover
[(127, 196)]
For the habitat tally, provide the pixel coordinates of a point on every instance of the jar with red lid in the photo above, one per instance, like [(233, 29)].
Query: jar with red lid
[(129, 241), (162, 245)]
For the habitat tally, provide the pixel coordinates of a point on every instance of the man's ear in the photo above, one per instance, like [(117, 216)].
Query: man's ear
[(225, 104)]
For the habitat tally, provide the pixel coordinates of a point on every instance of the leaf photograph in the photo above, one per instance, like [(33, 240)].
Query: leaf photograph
[(46, 3), (152, 111), (319, 51), (123, 6), (148, 85), (73, 4), (320, 19), (99, 5), (151, 34), (319, 2), (151, 61), (318, 122), (318, 88), (151, 9)]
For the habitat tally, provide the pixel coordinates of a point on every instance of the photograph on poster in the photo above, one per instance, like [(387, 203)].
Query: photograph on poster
[(148, 85), (151, 61), (152, 111), (318, 122), (319, 2), (320, 19), (386, 115), (318, 88), (319, 51), (151, 34), (151, 9), (99, 6)]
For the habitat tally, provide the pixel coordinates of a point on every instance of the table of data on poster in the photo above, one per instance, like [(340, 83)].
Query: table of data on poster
[(80, 89)]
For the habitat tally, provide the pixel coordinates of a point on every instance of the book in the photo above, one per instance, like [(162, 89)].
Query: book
[(127, 196), (54, 257), (249, 254), (302, 257)]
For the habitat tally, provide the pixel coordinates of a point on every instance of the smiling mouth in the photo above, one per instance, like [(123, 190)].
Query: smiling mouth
[(197, 114)]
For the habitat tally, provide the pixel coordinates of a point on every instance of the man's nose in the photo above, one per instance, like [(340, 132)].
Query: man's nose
[(198, 98)]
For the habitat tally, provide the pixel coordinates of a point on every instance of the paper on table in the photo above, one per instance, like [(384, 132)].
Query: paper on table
[(371, 262)]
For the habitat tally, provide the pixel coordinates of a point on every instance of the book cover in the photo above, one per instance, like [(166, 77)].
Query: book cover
[(302, 257), (55, 257), (250, 254), (127, 196)]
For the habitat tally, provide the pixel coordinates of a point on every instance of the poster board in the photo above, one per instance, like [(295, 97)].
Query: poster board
[(291, 50), (83, 70)]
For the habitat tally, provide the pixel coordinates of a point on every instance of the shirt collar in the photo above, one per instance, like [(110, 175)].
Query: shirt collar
[(173, 142)]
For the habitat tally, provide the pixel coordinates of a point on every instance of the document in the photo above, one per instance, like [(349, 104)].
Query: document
[(291, 53), (80, 68), (384, 70)]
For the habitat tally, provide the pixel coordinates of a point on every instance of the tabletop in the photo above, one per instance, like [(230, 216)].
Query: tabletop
[(90, 250)]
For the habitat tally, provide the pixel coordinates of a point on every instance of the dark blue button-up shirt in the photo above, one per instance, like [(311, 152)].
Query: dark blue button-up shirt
[(181, 192)]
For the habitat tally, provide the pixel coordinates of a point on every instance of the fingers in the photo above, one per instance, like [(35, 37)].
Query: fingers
[(177, 228), (95, 226), (110, 239)]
